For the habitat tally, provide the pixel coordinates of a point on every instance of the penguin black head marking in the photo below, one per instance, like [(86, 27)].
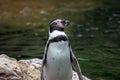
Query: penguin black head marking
[(58, 24)]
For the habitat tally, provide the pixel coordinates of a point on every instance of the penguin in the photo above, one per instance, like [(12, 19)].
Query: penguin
[(59, 59)]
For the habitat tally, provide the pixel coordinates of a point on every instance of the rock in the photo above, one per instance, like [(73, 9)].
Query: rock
[(75, 76), (31, 68), (11, 69)]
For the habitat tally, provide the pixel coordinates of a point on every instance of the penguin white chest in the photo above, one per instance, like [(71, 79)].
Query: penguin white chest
[(58, 61)]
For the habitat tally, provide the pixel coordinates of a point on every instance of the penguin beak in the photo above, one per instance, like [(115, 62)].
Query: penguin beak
[(65, 22)]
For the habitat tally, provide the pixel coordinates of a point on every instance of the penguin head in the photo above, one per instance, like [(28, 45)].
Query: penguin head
[(58, 24)]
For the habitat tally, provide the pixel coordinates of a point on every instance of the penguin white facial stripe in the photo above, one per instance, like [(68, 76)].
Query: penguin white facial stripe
[(55, 34), (56, 20)]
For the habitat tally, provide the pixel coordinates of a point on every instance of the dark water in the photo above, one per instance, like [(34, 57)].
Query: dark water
[(94, 32)]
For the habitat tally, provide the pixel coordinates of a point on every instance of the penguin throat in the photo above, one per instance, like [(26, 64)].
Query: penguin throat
[(53, 28)]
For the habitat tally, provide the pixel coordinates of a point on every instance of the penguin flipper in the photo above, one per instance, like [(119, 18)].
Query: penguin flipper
[(42, 75), (44, 60), (75, 64), (43, 65)]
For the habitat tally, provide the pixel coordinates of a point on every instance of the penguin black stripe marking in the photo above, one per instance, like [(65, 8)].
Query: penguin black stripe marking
[(58, 38), (71, 57)]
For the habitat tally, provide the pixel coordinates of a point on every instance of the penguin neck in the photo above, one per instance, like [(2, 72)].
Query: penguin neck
[(56, 33), (53, 28)]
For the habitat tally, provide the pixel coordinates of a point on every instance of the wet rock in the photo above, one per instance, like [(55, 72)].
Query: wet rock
[(11, 69)]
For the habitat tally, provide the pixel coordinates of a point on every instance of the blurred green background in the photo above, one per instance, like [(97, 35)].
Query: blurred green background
[(94, 32)]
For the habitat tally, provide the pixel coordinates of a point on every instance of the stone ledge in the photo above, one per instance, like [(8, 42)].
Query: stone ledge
[(11, 69)]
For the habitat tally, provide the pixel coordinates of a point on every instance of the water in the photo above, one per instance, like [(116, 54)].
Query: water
[(94, 32)]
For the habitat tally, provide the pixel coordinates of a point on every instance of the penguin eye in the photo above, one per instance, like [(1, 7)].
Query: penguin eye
[(54, 23), (63, 22)]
